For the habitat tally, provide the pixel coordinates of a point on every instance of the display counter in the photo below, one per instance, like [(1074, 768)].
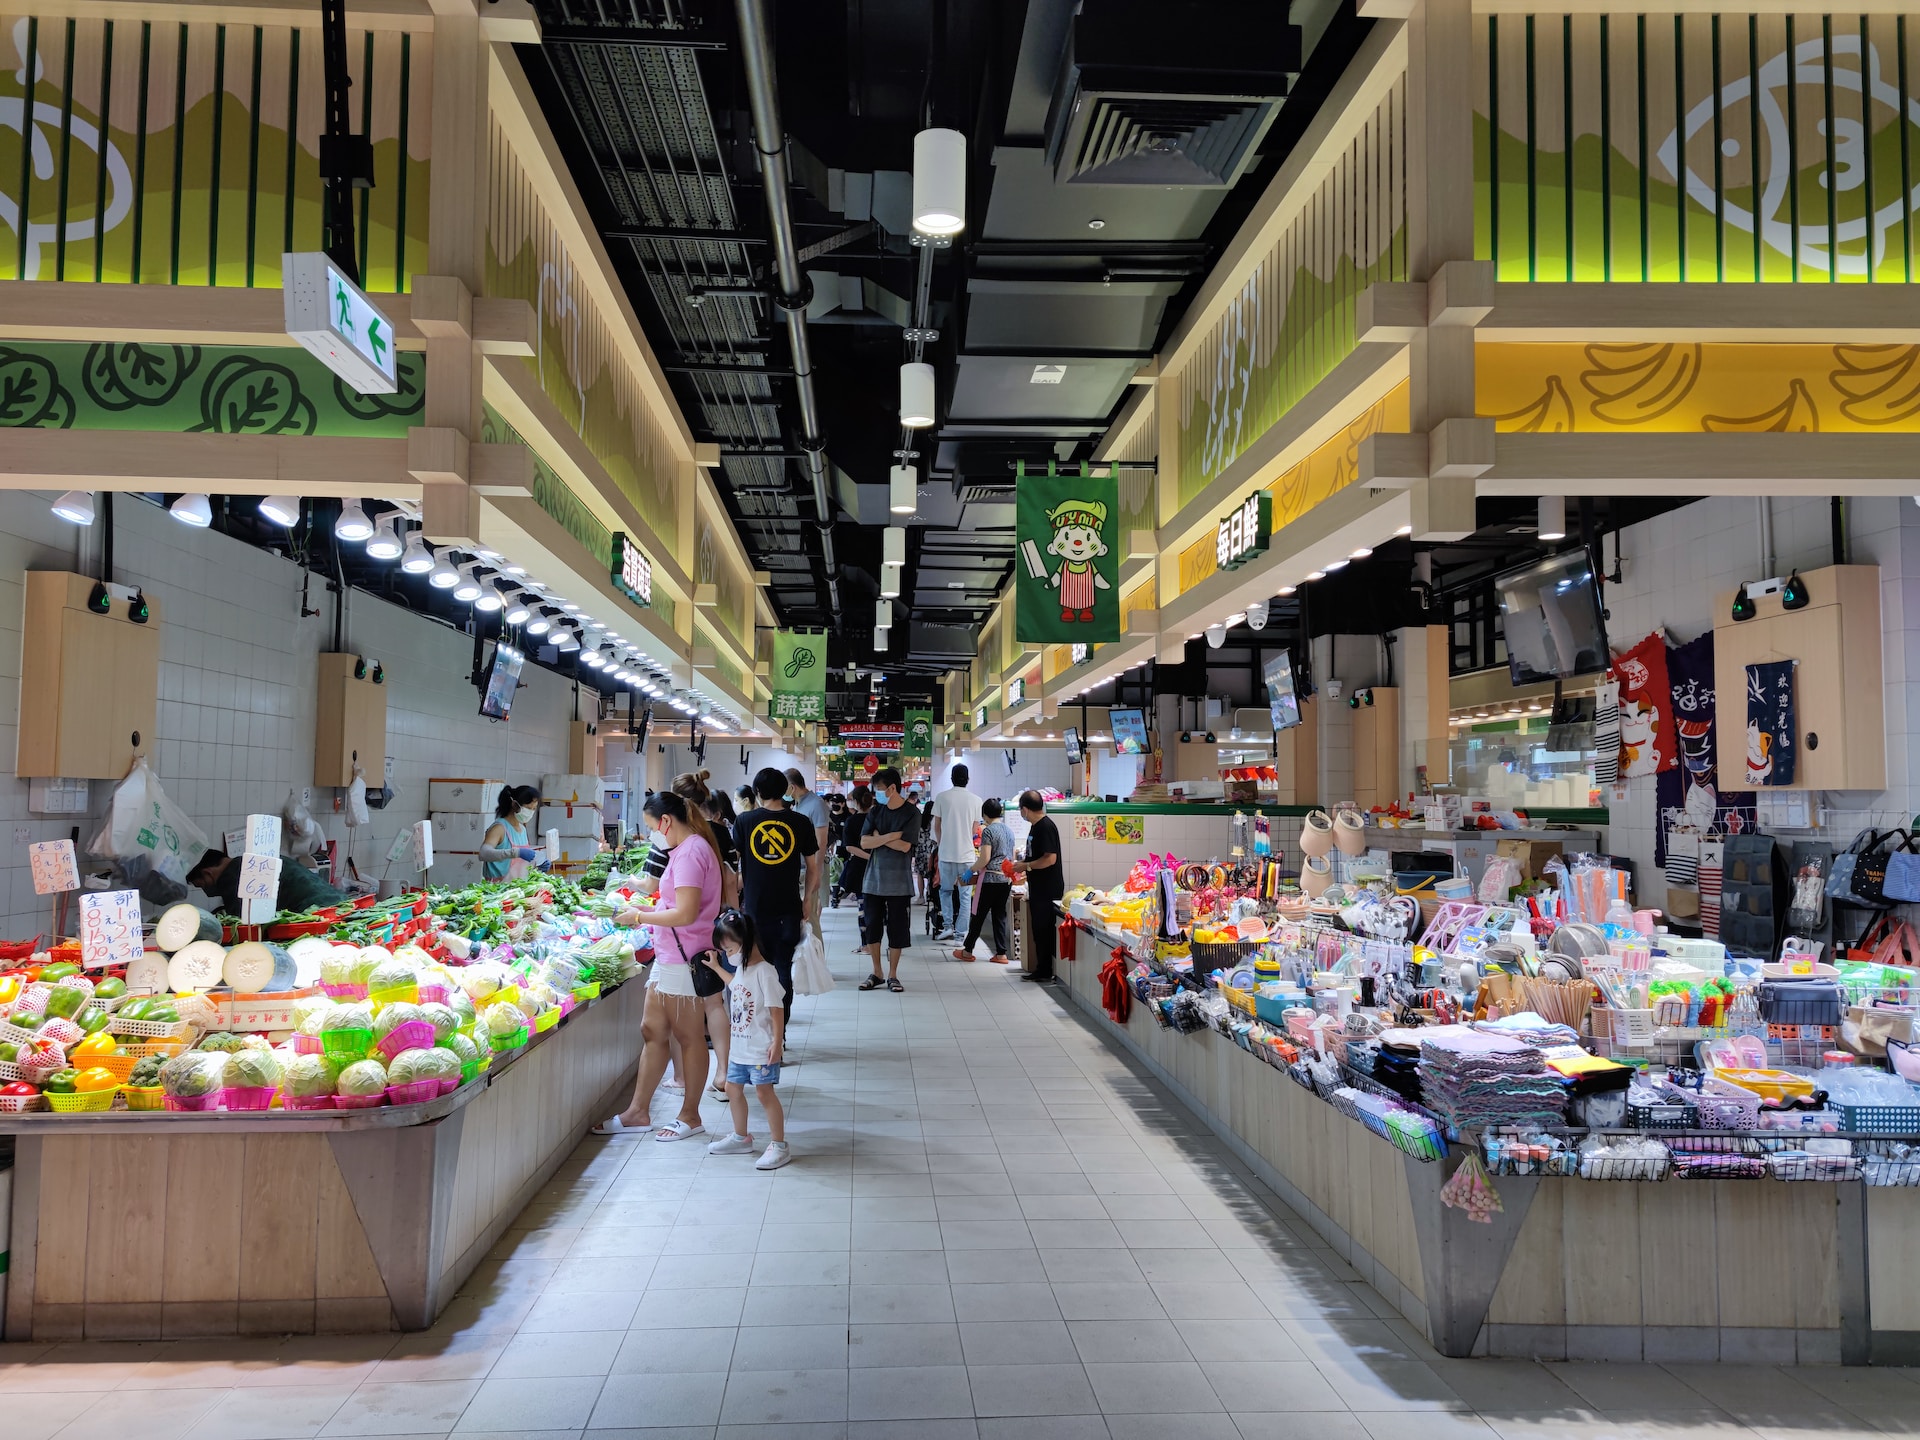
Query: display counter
[(148, 1226), (1760, 1270)]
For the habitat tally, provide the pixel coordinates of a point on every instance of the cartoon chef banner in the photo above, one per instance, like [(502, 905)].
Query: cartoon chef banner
[(1646, 708), (1068, 570)]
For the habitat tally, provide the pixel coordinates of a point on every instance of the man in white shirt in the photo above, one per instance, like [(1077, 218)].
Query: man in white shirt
[(956, 824)]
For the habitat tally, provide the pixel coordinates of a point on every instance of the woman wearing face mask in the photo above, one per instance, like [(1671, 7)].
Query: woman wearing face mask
[(505, 851), (682, 929)]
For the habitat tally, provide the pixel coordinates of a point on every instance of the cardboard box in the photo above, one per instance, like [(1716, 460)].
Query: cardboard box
[(458, 829), (455, 868), (473, 797), (1529, 855), (570, 820), (259, 1012), (579, 847), (572, 789)]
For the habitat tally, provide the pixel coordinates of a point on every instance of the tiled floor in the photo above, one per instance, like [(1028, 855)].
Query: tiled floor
[(992, 1229)]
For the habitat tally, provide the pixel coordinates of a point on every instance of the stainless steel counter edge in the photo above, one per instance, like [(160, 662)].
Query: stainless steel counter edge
[(224, 1122)]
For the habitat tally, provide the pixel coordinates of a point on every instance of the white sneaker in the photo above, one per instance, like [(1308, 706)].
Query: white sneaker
[(731, 1145), (776, 1156)]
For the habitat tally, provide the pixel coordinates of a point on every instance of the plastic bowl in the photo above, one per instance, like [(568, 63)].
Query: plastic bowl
[(87, 1103), (433, 994), (415, 1092), (414, 1035), (248, 1097)]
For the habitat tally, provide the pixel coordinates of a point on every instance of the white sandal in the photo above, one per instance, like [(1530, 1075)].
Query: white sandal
[(677, 1129), (615, 1126)]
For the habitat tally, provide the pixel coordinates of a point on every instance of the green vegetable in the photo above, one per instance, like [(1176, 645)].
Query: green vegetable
[(445, 1021), (363, 1077), (393, 1016), (67, 1000), (306, 1076), (220, 1042), (253, 1070), (463, 1046), (347, 1017), (146, 1071), (193, 1074)]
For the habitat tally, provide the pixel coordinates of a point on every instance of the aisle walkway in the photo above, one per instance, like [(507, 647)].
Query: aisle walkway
[(992, 1228)]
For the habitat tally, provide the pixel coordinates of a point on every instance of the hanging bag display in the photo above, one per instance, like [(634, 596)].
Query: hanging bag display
[(1902, 881), (1870, 866)]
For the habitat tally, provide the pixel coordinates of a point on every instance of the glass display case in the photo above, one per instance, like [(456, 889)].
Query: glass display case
[(1528, 764)]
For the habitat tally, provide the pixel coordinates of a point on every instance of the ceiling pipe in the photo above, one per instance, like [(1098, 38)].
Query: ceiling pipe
[(793, 290)]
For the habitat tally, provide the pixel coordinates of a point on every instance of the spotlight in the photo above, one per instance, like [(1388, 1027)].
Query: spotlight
[(444, 576), (353, 525), (1333, 565), (417, 560), (490, 598), (283, 510), (1552, 523), (1286, 590), (468, 588), (194, 510), (515, 610), (1216, 636), (1360, 553), (1316, 574), (540, 622), (564, 639), (916, 395), (75, 507), (385, 541)]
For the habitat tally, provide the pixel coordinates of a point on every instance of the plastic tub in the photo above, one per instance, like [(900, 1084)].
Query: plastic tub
[(309, 1102), (248, 1097), (414, 1035), (144, 1097), (416, 1092), (347, 1046), (308, 1044), (351, 990)]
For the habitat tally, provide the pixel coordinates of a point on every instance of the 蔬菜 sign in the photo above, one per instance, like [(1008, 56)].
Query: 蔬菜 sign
[(632, 571), (332, 317), (1245, 531)]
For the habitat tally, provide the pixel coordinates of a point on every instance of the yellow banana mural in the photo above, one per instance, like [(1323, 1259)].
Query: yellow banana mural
[(1795, 415), (1637, 383), (1881, 383), (1551, 414)]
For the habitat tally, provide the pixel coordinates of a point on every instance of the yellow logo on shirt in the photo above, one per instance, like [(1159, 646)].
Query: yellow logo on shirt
[(771, 842)]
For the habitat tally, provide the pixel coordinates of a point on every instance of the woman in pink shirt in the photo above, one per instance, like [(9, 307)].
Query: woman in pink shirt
[(682, 928)]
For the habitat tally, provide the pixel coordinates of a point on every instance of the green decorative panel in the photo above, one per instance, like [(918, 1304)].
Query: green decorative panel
[(1730, 147), (197, 388), (186, 154)]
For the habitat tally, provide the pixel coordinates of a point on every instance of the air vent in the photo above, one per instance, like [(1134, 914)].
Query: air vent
[(1171, 94)]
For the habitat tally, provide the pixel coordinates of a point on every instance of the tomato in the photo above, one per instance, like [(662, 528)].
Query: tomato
[(96, 1078), (94, 1045), (17, 1088)]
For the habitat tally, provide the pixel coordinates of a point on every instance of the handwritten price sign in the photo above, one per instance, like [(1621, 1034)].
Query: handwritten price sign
[(263, 835), (109, 928), (54, 867)]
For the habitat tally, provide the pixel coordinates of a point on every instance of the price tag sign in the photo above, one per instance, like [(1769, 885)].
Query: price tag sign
[(110, 929), (553, 847), (421, 836), (237, 841), (260, 878), (54, 867), (263, 835)]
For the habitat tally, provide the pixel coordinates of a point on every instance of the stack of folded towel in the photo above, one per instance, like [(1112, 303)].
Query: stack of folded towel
[(1472, 1078)]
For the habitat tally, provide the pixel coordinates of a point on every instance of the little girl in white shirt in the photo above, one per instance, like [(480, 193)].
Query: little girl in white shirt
[(753, 997)]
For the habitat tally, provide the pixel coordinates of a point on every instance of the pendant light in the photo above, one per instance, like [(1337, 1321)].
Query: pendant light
[(905, 487), (893, 546), (1552, 523), (916, 395), (490, 598), (384, 544), (417, 560), (540, 622), (353, 525), (468, 587), (194, 510), (939, 182), (281, 509), (515, 610), (882, 614), (443, 576), (889, 582)]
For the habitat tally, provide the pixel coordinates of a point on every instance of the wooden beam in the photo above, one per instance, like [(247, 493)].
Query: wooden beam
[(413, 15), (1818, 314), (80, 310), (313, 466), (1744, 464)]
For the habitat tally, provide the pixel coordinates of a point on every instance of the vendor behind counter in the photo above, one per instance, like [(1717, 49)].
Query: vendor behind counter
[(218, 873)]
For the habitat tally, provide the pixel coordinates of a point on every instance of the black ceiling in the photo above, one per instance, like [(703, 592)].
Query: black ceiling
[(1109, 161)]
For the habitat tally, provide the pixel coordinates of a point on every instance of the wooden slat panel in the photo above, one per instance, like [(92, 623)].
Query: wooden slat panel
[(202, 1251), (1533, 1288), (1754, 1221), (127, 1196), (60, 1266), (277, 1216), (1677, 1257), (343, 1262), (1601, 1252)]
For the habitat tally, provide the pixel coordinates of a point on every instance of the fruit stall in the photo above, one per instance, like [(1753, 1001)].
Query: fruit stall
[(320, 1126)]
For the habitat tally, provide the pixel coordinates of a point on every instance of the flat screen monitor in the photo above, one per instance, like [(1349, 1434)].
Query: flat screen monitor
[(503, 678), (1283, 702), (1012, 758), (1129, 732), (1553, 623), (1075, 752)]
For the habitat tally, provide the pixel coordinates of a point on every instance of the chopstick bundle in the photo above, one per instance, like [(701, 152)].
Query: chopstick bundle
[(1564, 1002)]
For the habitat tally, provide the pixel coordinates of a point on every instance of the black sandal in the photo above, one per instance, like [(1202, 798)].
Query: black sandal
[(872, 982), (895, 986)]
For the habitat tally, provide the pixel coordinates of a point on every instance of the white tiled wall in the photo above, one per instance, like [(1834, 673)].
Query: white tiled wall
[(1676, 566), (237, 686)]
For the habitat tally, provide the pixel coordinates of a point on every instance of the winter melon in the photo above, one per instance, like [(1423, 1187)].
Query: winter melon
[(257, 968), (309, 952), (181, 925), (196, 966)]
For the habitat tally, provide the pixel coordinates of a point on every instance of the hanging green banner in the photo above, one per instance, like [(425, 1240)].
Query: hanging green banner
[(918, 740), (1068, 570), (799, 675)]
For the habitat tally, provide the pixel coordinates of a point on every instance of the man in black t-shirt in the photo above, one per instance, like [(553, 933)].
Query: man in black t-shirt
[(1046, 883), (775, 845)]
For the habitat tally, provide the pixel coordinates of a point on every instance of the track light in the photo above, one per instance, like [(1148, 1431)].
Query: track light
[(468, 588), (590, 659), (443, 576), (905, 490), (353, 525), (385, 544), (515, 610), (283, 510), (194, 510), (418, 560), (916, 395), (75, 507), (939, 182), (1552, 524), (564, 639), (540, 622), (490, 598)]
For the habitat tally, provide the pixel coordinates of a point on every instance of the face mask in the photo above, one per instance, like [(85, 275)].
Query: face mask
[(526, 817)]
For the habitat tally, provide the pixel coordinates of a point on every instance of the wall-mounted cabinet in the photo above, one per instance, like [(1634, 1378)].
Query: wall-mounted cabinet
[(1834, 641), (89, 681), (1376, 747), (1297, 758), (350, 724)]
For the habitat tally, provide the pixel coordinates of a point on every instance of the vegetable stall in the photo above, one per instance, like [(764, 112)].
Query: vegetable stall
[(319, 1126)]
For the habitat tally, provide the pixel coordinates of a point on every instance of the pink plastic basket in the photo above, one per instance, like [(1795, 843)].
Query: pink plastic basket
[(194, 1102), (447, 1087), (353, 990), (308, 1044), (358, 1102), (309, 1102), (433, 994), (248, 1097), (414, 1035), (415, 1092)]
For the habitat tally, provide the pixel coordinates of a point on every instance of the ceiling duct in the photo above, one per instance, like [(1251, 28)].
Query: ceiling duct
[(1172, 94)]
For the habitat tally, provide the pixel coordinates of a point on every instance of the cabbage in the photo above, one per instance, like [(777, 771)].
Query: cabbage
[(393, 975), (363, 1077), (445, 1063), (393, 1016), (305, 1076), (429, 1064), (313, 1021), (347, 1017), (375, 956), (337, 965), (310, 1008), (462, 1046), (414, 956), (480, 981), (445, 1022), (504, 1019), (252, 1070), (193, 1074), (461, 1004)]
